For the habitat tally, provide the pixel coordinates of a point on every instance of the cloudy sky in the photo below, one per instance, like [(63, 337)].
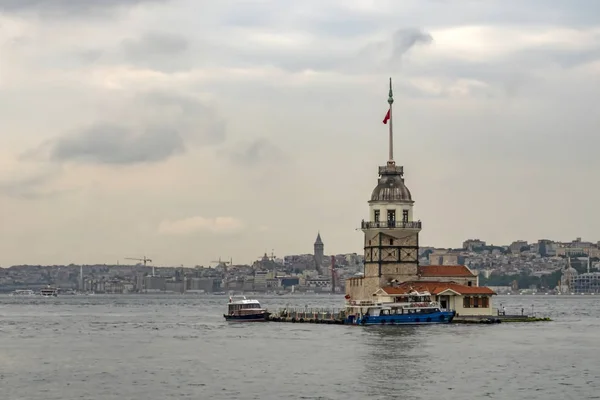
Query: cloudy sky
[(185, 130)]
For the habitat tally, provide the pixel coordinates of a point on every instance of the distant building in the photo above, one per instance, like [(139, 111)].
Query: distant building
[(473, 244), (588, 282), (319, 251), (517, 246), (288, 282), (446, 258)]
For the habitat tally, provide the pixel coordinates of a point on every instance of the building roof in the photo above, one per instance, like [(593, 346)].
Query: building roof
[(445, 271), (436, 288), (318, 241), (390, 186)]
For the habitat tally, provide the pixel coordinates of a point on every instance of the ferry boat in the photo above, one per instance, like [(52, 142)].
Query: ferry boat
[(414, 308), (22, 292), (49, 292), (245, 310)]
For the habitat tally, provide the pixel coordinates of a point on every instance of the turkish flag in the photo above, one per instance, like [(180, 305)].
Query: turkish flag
[(387, 117)]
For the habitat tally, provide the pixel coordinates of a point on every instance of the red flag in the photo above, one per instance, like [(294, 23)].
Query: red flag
[(387, 116), (347, 297)]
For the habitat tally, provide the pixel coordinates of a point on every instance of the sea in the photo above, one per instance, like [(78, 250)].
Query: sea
[(179, 347)]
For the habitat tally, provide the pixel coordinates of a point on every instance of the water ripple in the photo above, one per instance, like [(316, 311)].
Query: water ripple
[(162, 347)]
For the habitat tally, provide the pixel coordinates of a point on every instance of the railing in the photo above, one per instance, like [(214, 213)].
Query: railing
[(323, 314), (394, 169), (391, 224), (361, 303)]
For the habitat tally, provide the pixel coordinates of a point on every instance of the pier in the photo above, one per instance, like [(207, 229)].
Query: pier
[(309, 315), (336, 316)]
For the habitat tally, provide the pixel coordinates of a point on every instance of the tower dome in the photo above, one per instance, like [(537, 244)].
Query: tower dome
[(390, 185), (391, 188)]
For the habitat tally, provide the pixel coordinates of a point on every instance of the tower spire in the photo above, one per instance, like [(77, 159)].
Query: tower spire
[(391, 144)]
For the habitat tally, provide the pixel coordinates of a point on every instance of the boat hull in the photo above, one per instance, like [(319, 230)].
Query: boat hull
[(440, 317), (260, 317)]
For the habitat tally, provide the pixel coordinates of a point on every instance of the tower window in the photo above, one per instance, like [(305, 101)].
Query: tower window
[(391, 242), (391, 217), (376, 215), (404, 215)]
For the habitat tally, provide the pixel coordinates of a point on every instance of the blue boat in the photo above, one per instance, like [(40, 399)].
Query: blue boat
[(413, 309), (244, 310)]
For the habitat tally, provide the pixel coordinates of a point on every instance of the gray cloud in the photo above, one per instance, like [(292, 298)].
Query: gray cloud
[(169, 124), (111, 144), (31, 187), (68, 8), (405, 39), (155, 44), (379, 53), (159, 51), (255, 152)]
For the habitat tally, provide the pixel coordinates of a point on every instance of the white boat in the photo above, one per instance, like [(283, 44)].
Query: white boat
[(49, 291), (22, 292), (245, 310)]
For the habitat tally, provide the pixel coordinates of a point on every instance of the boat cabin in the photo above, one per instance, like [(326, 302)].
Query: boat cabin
[(243, 306), (49, 291), (403, 309), (412, 297)]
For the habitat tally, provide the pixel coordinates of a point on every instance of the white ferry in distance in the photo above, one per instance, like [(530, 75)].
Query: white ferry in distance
[(49, 291), (244, 310), (22, 292)]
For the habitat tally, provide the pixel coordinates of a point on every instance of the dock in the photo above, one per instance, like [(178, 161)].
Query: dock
[(309, 315), (497, 319), (333, 316)]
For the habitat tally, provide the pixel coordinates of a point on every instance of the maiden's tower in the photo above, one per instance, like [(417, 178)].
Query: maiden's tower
[(391, 248)]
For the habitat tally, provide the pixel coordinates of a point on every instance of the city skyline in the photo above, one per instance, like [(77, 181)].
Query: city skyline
[(189, 130)]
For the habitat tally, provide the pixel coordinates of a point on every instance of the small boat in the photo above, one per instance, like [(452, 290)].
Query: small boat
[(413, 309), (244, 310), (23, 292), (49, 291)]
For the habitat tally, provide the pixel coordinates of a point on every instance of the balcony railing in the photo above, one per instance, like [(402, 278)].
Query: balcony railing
[(391, 224)]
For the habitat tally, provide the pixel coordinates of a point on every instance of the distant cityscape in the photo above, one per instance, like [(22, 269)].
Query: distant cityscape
[(544, 266)]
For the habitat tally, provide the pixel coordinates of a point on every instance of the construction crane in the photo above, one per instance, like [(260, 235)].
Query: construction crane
[(220, 262), (268, 257), (144, 260), (223, 263)]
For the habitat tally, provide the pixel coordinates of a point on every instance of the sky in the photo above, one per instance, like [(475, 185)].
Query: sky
[(188, 130)]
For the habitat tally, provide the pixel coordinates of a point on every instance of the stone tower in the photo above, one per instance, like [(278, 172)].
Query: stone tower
[(319, 253), (391, 234)]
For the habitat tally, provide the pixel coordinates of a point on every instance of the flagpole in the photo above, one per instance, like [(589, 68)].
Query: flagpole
[(390, 102)]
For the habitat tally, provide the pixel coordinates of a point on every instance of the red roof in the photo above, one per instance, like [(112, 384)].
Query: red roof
[(445, 270), (436, 288)]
